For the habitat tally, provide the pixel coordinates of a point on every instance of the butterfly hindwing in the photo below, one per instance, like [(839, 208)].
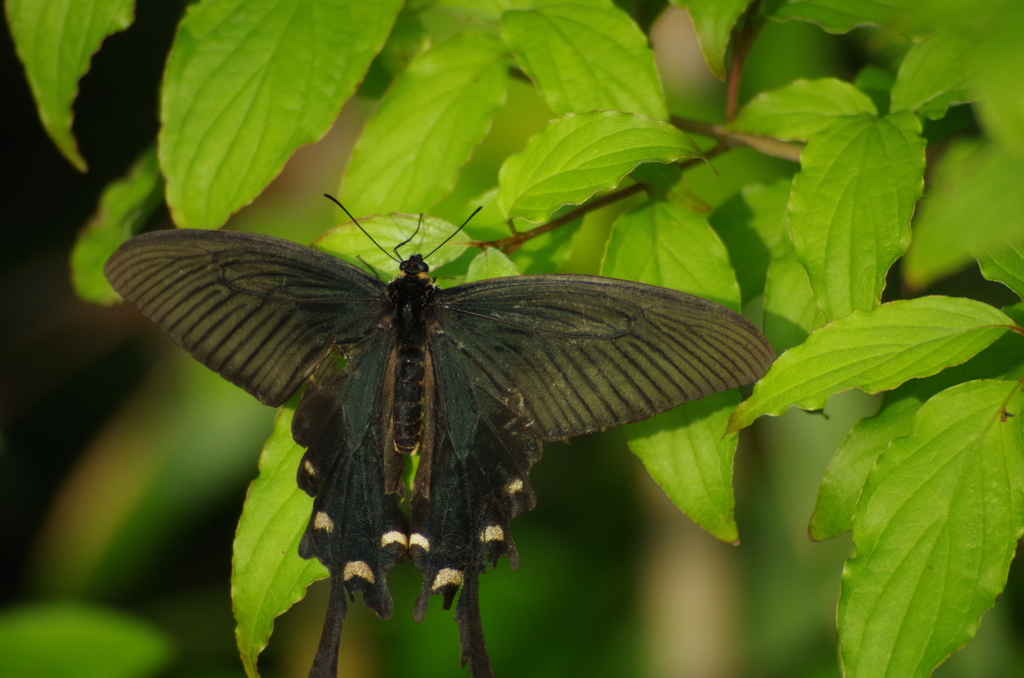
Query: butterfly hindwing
[(577, 354), (357, 529), (262, 312), (472, 480)]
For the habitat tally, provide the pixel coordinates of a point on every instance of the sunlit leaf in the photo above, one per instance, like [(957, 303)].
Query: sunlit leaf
[(408, 38), (935, 530), (579, 154), (801, 109), (848, 471), (663, 244), (1005, 263), (267, 575), (713, 21), (55, 41), (851, 205), (376, 256), (853, 461), (687, 451), (124, 207), (585, 58), (428, 124), (490, 11), (875, 351), (248, 83), (541, 254), (934, 75), (840, 16), (490, 263)]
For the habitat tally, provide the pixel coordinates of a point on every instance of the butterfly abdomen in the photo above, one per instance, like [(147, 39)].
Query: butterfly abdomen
[(408, 418), (411, 293)]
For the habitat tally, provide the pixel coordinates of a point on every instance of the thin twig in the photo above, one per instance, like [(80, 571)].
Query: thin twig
[(741, 48), (519, 238), (766, 145)]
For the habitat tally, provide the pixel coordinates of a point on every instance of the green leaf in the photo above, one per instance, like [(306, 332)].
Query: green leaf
[(1005, 264), (582, 153), (408, 38), (935, 532), (687, 451), (853, 461), (55, 41), (428, 124), (663, 244), (877, 83), (848, 471), (77, 640), (666, 181), (875, 351), (267, 574), (424, 235), (934, 75), (801, 109), (790, 312), (584, 58), (713, 21), (125, 206), (543, 254), (841, 16), (977, 184), (490, 11), (851, 204), (246, 84), (490, 263), (755, 230), (999, 80)]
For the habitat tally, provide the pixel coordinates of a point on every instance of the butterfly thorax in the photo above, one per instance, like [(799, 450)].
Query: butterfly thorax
[(410, 294)]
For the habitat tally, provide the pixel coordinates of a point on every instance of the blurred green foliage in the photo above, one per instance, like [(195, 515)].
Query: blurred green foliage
[(124, 465)]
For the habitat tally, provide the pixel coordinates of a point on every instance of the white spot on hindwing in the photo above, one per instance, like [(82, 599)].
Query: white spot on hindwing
[(309, 468), (445, 577), (514, 486), (322, 521), (394, 537), (418, 539), (492, 533), (358, 568)]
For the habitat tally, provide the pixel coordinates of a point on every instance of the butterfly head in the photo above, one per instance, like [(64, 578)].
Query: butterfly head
[(414, 266)]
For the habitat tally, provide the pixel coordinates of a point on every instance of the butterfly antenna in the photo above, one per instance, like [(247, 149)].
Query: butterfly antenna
[(407, 240), (456, 231), (335, 201)]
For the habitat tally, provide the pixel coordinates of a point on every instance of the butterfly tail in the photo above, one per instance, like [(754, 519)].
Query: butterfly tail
[(471, 630), (325, 663)]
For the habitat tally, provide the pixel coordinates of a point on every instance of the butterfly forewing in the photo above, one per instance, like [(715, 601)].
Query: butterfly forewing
[(262, 312), (576, 354)]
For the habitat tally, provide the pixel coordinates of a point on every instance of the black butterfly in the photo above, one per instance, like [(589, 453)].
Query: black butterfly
[(476, 377)]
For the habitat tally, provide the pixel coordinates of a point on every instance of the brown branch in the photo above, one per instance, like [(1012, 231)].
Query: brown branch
[(518, 239), (766, 145), (741, 49)]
